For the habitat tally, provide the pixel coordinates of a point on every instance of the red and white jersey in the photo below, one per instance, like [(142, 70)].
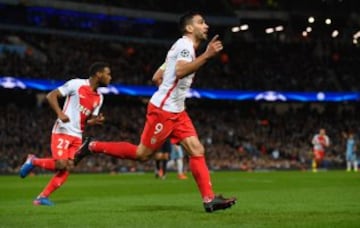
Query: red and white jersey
[(320, 142), (172, 92), (81, 102)]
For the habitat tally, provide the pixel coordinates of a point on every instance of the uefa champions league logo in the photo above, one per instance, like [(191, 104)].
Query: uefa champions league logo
[(192, 93), (270, 96), (11, 83), (108, 89)]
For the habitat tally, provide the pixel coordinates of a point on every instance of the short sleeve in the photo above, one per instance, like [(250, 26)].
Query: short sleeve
[(185, 52), (163, 66), (68, 88)]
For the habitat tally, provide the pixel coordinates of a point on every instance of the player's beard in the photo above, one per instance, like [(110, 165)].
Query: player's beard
[(205, 37), (201, 36)]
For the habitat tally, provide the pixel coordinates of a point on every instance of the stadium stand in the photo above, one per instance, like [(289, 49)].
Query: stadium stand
[(39, 42), (243, 65), (249, 136)]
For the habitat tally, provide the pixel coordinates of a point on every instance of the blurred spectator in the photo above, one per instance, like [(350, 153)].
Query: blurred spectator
[(26, 128), (242, 65)]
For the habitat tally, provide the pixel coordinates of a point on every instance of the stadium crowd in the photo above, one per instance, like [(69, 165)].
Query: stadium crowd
[(237, 136), (225, 7), (295, 66)]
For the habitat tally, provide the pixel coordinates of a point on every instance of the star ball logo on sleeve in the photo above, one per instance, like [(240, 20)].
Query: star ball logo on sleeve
[(185, 53)]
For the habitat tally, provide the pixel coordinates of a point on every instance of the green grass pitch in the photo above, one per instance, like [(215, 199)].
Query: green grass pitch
[(265, 199)]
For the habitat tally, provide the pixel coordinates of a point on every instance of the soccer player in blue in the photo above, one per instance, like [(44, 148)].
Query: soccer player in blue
[(351, 152), (177, 154)]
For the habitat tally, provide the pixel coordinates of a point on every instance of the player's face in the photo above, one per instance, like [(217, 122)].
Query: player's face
[(105, 77), (322, 132), (200, 28)]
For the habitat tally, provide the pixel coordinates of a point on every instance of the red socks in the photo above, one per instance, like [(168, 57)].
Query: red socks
[(201, 175), (46, 163), (122, 150), (57, 180)]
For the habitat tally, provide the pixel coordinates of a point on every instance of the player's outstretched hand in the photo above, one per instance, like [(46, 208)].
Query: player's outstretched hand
[(97, 120), (214, 46)]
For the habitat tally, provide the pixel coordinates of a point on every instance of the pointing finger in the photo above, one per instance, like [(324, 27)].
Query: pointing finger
[(214, 38)]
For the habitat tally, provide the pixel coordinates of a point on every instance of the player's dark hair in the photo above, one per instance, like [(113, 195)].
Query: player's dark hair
[(185, 19), (97, 67)]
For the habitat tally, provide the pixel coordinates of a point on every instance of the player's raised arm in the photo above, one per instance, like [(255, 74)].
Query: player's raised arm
[(184, 68)]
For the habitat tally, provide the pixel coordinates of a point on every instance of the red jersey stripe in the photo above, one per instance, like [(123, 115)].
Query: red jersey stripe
[(67, 104), (168, 94)]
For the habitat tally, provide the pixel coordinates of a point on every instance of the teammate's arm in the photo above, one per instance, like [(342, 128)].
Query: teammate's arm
[(159, 74), (96, 120), (184, 68), (327, 141), (313, 140), (52, 98)]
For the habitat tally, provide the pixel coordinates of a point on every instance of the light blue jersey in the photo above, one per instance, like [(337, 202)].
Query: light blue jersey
[(350, 149), (176, 152)]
